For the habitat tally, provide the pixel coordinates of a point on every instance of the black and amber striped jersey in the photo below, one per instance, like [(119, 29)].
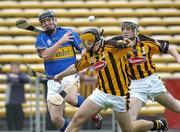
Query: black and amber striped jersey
[(139, 62), (109, 62)]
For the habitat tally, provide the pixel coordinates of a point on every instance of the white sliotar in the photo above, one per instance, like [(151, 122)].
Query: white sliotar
[(91, 18)]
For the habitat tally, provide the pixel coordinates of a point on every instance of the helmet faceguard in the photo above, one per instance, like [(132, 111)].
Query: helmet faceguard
[(90, 37), (48, 14), (130, 25)]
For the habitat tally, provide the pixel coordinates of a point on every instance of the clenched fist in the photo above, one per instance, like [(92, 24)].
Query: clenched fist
[(125, 42)]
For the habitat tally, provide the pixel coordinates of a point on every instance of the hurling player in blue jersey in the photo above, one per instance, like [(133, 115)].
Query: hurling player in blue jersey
[(56, 45)]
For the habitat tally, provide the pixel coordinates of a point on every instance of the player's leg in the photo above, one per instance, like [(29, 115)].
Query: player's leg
[(76, 100), (135, 107), (120, 105), (161, 95), (127, 124), (67, 92), (155, 86), (125, 121), (94, 103), (73, 97), (56, 112), (139, 96), (144, 125), (71, 84), (87, 109), (168, 101)]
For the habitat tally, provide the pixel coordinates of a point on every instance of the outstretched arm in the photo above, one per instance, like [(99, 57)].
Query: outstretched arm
[(174, 53), (121, 44)]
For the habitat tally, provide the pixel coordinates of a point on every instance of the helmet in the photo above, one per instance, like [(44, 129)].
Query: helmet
[(46, 13), (89, 37), (131, 24)]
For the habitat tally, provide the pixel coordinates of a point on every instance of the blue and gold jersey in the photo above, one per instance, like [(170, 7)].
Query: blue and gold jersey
[(65, 55)]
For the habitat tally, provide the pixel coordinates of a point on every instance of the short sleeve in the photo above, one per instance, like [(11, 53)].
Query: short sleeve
[(164, 45), (159, 46), (40, 42)]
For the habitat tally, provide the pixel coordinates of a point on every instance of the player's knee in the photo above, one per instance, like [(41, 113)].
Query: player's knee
[(72, 100), (134, 117)]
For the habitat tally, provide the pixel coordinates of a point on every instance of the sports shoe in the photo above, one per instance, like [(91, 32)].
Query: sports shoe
[(98, 120), (164, 124)]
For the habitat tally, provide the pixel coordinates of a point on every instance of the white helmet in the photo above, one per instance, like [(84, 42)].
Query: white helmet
[(130, 24)]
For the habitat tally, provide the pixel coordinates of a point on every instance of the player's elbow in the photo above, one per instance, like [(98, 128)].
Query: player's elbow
[(45, 56)]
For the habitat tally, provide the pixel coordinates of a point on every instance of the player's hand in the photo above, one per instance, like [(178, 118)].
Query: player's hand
[(68, 36), (83, 51), (58, 78), (127, 42)]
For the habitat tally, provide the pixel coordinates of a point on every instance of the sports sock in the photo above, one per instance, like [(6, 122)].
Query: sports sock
[(157, 125), (80, 100), (66, 123)]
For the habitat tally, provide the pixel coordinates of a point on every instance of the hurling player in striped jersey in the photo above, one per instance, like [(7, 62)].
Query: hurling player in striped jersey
[(141, 69), (106, 56)]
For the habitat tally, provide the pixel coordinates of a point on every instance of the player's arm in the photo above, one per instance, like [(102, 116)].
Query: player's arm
[(158, 46), (118, 43), (163, 47), (77, 43), (48, 53), (166, 48), (69, 71), (74, 68), (174, 53)]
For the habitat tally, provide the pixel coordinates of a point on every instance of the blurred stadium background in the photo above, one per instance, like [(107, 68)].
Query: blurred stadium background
[(158, 18)]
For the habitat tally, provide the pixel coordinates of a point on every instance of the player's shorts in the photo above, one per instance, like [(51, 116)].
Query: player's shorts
[(147, 88), (117, 103), (56, 87)]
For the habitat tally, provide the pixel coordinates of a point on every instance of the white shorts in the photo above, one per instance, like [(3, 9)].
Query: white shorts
[(56, 87), (147, 88), (118, 103)]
